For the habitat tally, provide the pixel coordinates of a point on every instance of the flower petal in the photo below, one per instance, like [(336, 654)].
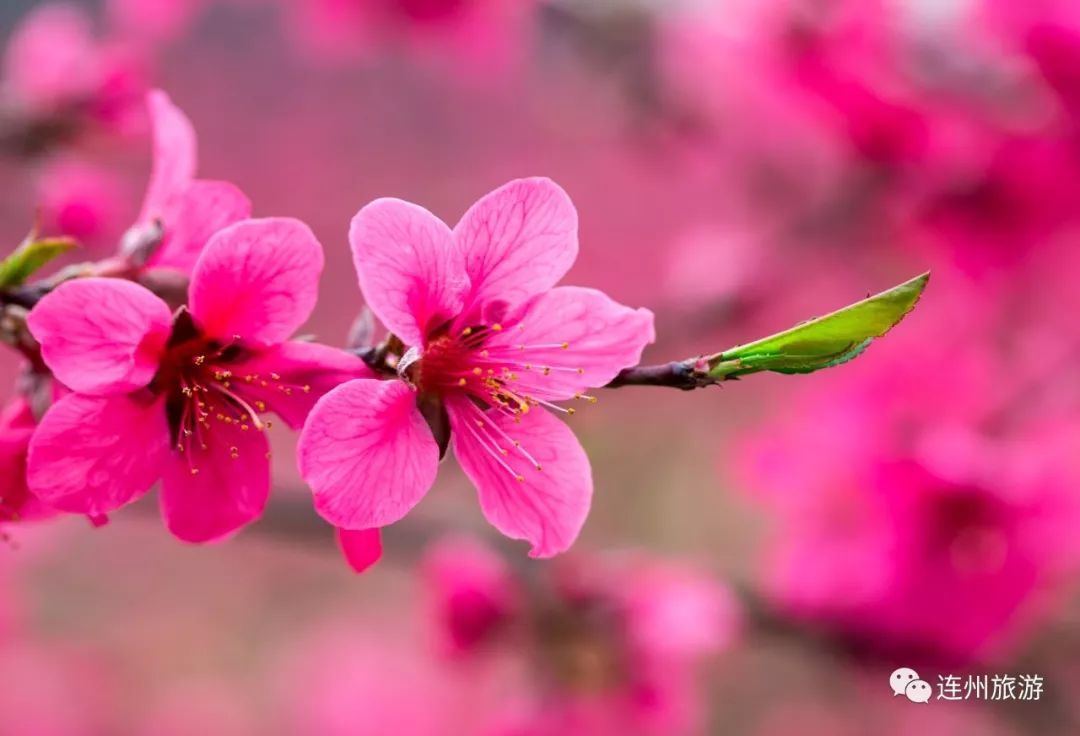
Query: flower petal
[(546, 507), (207, 494), (257, 279), (92, 455), (367, 454), (16, 502), (174, 155), (362, 548), (101, 336), (411, 274), (601, 336), (296, 375), (190, 219), (518, 241)]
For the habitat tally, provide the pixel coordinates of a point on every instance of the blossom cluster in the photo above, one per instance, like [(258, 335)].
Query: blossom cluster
[(149, 393)]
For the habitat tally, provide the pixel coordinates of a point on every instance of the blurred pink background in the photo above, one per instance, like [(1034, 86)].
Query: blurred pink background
[(759, 557)]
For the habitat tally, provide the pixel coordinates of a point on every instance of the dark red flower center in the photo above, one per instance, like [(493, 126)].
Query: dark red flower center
[(491, 372), (205, 398)]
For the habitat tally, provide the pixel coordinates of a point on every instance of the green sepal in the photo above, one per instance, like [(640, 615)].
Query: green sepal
[(33, 255)]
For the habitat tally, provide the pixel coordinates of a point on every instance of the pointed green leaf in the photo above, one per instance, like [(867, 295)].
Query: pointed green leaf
[(822, 342), (29, 257)]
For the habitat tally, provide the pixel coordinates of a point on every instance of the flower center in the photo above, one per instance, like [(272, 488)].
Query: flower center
[(204, 400), (481, 362), (495, 374)]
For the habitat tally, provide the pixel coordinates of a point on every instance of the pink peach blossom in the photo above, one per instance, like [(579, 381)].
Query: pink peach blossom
[(493, 343), (990, 220), (80, 200), (55, 64), (620, 646), (17, 424), (473, 593), (180, 398), (903, 526), (187, 210)]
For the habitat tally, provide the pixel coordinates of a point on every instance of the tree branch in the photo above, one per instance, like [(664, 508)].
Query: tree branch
[(685, 375)]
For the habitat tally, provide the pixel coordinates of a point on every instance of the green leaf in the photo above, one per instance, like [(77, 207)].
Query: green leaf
[(29, 257), (822, 342)]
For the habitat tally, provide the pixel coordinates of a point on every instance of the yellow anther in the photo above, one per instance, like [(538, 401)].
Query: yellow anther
[(200, 359), (461, 382), (467, 331), (496, 327), (520, 478), (477, 371), (565, 346)]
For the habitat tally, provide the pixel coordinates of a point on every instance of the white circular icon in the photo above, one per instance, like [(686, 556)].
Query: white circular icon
[(918, 691), (899, 680)]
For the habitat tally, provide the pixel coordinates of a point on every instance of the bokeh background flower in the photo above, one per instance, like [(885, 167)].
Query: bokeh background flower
[(758, 558)]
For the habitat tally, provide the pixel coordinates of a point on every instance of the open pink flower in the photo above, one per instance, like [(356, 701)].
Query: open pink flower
[(180, 397), (473, 593), (16, 502), (187, 210), (494, 343)]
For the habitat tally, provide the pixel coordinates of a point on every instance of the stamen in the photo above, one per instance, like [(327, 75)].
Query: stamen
[(235, 398), (498, 458), (509, 440)]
